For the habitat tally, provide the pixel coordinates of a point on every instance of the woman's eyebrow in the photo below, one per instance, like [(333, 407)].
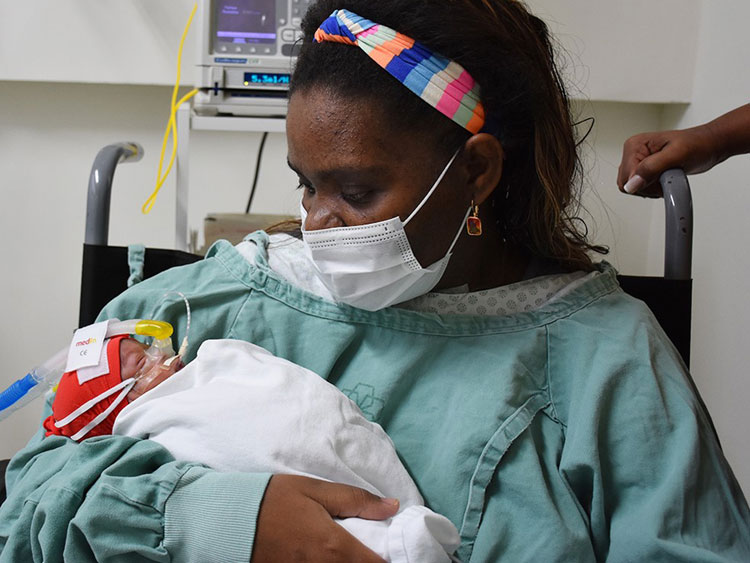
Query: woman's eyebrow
[(347, 172), (290, 165)]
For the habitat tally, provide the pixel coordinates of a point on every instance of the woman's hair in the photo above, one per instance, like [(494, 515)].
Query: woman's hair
[(509, 53)]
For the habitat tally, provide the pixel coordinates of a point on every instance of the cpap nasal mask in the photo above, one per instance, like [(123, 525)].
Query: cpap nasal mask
[(159, 357), (77, 419)]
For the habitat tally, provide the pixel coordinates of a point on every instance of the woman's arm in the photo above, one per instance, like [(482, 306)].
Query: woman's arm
[(647, 155), (114, 497)]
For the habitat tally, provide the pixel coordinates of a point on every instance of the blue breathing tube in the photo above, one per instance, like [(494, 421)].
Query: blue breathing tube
[(13, 393), (36, 382)]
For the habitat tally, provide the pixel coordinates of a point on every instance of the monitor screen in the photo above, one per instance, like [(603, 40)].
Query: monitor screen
[(245, 21)]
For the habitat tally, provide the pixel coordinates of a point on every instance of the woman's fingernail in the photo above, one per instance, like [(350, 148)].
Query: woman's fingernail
[(389, 501), (634, 184)]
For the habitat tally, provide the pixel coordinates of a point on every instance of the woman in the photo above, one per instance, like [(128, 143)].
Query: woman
[(535, 405)]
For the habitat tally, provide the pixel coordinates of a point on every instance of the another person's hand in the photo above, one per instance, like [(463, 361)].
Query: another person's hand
[(296, 521), (647, 155), (695, 150)]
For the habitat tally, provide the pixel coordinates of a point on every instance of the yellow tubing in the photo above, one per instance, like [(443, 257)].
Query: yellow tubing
[(171, 122)]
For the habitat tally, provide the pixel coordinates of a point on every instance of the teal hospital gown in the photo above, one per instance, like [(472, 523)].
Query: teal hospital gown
[(569, 433)]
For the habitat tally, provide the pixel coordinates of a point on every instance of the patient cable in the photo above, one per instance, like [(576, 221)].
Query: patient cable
[(171, 122)]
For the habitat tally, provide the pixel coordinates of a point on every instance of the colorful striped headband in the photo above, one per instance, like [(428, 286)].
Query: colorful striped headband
[(441, 82)]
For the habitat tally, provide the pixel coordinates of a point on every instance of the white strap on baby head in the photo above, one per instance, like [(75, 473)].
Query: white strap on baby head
[(125, 385), (101, 416)]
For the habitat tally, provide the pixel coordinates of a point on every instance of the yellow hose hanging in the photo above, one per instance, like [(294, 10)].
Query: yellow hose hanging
[(171, 122)]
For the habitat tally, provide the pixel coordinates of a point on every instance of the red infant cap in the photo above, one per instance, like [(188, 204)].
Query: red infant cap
[(71, 395)]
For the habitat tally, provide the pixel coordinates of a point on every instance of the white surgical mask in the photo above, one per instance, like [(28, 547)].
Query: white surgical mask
[(372, 266)]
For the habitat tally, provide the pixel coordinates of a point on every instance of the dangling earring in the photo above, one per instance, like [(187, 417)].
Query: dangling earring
[(473, 222)]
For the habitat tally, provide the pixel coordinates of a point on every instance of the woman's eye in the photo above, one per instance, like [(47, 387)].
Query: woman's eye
[(307, 187), (357, 197)]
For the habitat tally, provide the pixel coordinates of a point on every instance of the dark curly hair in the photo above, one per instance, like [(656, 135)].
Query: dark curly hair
[(509, 53)]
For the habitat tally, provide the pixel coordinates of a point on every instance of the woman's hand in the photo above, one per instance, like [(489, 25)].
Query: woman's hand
[(296, 521)]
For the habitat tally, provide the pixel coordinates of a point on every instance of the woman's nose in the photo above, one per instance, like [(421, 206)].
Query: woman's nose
[(320, 217)]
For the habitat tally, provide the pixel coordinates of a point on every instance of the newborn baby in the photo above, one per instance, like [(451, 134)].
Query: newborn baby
[(237, 407)]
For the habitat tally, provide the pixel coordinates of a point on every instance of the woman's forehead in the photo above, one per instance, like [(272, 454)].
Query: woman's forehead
[(320, 117), (327, 131)]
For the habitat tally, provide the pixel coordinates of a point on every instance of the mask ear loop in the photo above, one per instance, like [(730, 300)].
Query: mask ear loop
[(432, 189), (434, 186)]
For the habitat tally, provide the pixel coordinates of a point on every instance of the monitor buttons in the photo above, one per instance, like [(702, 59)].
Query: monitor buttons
[(290, 49), (287, 35)]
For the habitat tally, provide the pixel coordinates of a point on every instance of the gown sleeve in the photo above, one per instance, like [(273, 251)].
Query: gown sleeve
[(114, 498)]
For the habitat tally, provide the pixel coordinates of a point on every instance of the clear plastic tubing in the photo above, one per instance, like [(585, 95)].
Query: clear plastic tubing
[(46, 375)]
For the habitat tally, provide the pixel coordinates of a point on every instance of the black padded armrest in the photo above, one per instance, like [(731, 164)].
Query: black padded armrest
[(3, 466)]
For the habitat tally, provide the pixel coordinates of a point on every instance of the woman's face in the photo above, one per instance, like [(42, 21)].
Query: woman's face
[(355, 169)]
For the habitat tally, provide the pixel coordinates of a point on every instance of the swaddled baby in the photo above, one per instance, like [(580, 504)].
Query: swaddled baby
[(237, 407)]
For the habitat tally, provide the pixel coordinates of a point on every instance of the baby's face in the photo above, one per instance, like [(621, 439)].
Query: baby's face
[(134, 362), (132, 357)]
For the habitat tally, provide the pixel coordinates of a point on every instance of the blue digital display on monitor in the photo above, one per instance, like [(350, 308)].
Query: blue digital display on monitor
[(266, 78)]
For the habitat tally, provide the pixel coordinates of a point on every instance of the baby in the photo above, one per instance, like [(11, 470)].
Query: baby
[(237, 407)]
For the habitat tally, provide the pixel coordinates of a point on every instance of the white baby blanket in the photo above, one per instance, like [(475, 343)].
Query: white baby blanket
[(237, 407)]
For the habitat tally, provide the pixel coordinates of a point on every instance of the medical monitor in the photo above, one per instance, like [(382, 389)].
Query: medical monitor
[(244, 23), (247, 53)]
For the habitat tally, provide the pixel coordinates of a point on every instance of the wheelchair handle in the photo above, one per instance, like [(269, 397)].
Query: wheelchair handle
[(678, 203), (100, 188)]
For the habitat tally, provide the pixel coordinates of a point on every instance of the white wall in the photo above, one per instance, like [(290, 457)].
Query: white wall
[(134, 41), (50, 132), (721, 259)]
